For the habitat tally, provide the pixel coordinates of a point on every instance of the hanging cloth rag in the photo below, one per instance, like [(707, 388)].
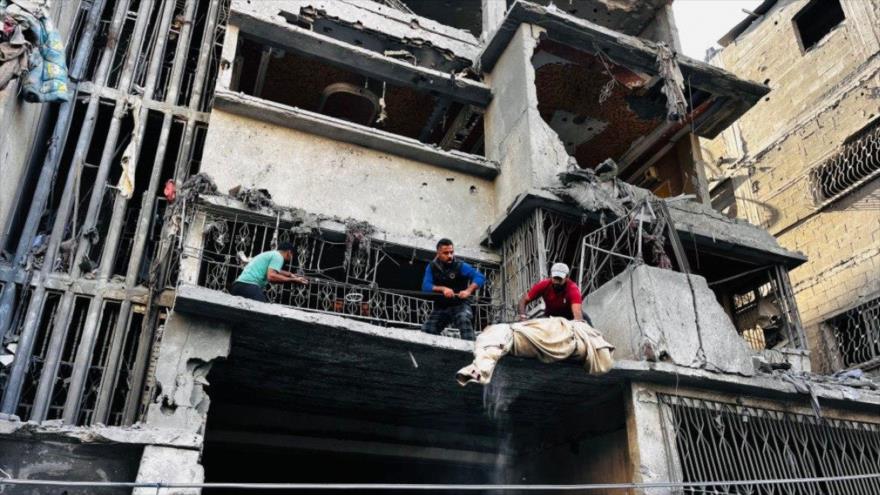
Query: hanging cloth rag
[(47, 78), (546, 339), (129, 154), (13, 61), (673, 83)]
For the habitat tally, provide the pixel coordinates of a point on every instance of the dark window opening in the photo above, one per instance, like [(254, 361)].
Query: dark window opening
[(298, 81), (816, 20), (461, 14)]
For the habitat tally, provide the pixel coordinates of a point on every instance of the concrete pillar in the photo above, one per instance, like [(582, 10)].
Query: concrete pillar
[(191, 257), (227, 58), (189, 345), (169, 465), (493, 16), (530, 153), (652, 458)]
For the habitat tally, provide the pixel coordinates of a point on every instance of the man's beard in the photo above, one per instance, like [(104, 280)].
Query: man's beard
[(558, 288)]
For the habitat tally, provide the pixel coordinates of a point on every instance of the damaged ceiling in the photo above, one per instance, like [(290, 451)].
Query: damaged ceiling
[(627, 16), (716, 98), (598, 109)]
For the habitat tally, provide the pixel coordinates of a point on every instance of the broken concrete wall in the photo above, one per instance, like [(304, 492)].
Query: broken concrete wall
[(655, 314), (188, 348), (324, 176), (820, 98), (372, 16), (21, 122), (530, 153)]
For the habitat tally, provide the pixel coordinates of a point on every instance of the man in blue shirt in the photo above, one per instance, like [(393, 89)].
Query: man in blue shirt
[(456, 281), (264, 268)]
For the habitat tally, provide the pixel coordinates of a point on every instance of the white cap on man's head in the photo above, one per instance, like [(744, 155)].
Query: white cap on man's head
[(559, 270)]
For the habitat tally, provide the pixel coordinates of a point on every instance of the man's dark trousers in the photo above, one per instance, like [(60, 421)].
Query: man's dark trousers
[(458, 316), (249, 291)]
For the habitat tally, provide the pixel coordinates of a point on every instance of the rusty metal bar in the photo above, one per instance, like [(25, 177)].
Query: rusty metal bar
[(102, 406), (25, 346), (180, 173), (50, 369), (87, 342)]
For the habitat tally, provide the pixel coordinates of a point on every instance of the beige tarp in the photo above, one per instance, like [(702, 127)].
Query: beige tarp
[(547, 339)]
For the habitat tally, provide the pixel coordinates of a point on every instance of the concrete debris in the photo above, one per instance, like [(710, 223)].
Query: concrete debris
[(592, 193), (197, 185), (648, 312), (673, 83), (253, 198)]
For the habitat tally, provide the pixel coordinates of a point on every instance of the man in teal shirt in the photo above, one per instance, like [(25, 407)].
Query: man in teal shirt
[(264, 268)]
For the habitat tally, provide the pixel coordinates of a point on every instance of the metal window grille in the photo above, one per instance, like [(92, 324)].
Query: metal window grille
[(346, 277), (856, 163), (857, 335), (725, 442), (541, 240)]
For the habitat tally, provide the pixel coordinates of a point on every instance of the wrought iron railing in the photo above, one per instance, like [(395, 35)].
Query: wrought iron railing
[(720, 441), (355, 277), (857, 335)]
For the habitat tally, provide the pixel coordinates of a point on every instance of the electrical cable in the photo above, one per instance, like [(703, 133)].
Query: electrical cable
[(436, 486)]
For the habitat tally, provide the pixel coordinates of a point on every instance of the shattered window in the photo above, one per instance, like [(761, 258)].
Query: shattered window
[(816, 20), (857, 162)]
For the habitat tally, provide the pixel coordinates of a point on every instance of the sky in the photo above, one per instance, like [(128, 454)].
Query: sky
[(702, 22)]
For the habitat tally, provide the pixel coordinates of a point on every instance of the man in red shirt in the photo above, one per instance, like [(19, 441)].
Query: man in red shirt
[(561, 296)]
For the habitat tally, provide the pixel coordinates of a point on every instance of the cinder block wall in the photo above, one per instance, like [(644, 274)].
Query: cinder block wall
[(819, 98)]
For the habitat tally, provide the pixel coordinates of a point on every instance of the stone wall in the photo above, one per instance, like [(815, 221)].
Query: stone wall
[(324, 176), (819, 98)]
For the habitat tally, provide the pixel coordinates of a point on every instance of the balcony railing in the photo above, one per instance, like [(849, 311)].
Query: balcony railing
[(355, 277)]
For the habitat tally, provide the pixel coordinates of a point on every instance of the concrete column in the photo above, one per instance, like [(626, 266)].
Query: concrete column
[(493, 16), (169, 465), (702, 185), (227, 58), (652, 458), (530, 153), (191, 257), (188, 347)]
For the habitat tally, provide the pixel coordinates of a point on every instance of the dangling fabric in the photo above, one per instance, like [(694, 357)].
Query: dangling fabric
[(546, 339), (47, 77), (673, 83)]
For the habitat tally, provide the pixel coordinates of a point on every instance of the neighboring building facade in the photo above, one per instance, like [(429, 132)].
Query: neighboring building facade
[(363, 132), (805, 162)]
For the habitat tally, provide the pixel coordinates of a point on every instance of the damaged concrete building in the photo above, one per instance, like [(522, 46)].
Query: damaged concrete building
[(203, 132), (805, 162)]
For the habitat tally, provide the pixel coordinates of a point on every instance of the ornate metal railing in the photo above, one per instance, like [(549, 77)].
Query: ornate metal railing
[(717, 441), (356, 277)]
